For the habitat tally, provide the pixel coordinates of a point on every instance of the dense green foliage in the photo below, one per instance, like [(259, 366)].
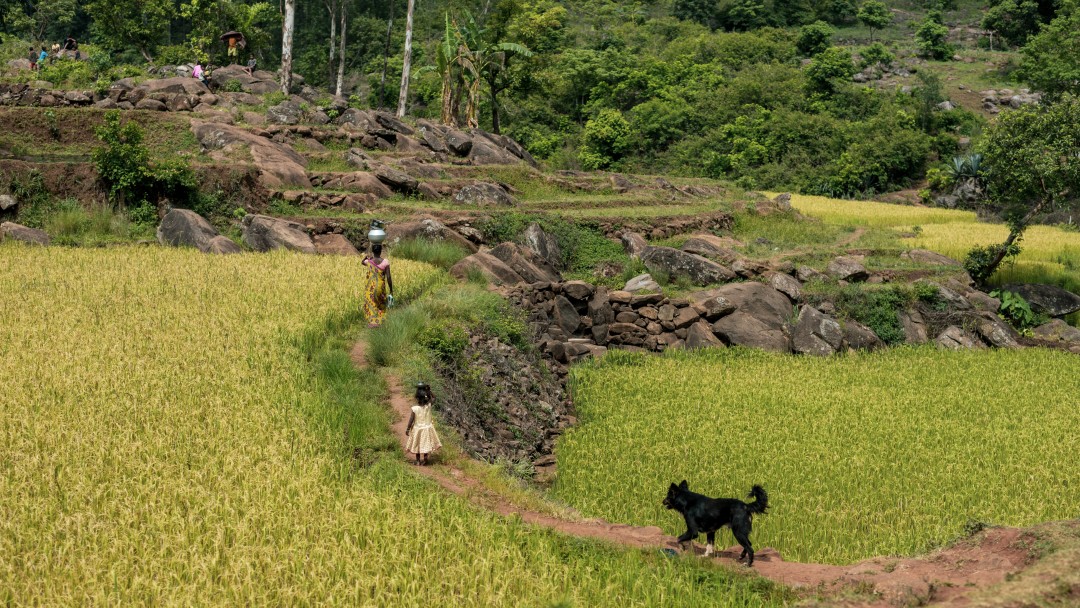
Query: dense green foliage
[(1052, 57), (134, 180)]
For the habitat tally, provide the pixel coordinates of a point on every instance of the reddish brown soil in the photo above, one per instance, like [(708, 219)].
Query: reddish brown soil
[(944, 578)]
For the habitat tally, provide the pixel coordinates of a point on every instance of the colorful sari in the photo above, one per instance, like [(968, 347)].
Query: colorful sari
[(375, 292)]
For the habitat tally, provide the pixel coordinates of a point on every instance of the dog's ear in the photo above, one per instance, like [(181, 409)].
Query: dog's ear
[(683, 486), (672, 488)]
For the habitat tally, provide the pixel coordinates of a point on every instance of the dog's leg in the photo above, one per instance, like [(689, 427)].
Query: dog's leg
[(685, 539), (742, 534), (710, 537)]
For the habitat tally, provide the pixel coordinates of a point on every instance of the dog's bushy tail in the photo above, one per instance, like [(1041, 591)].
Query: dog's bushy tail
[(761, 500)]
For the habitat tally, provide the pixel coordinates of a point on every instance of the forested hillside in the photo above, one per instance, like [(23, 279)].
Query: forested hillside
[(822, 96)]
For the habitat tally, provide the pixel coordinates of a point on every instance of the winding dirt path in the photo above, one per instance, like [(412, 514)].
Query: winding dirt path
[(943, 578)]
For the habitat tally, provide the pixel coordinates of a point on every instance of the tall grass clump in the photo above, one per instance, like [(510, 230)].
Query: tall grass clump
[(443, 254)]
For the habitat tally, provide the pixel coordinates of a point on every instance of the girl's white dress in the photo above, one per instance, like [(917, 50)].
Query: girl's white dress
[(422, 438)]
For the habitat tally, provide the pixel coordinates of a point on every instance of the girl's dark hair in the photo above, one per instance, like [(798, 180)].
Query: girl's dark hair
[(376, 249), (423, 394)]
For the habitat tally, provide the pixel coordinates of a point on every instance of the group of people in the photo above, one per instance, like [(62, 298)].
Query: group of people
[(378, 297), (69, 48)]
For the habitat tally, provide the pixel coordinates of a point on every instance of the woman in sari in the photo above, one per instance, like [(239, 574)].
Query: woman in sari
[(379, 293)]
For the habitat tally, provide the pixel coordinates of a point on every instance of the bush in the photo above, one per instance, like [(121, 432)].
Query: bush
[(814, 38), (878, 309), (829, 68), (932, 39), (604, 139), (876, 54)]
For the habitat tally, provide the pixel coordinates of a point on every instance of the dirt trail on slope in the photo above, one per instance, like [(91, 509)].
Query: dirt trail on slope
[(943, 578)]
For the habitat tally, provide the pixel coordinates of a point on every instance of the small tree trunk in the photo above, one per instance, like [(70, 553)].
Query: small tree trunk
[(341, 54), (494, 107), (386, 57), (287, 45), (331, 7), (1014, 234), (407, 61)]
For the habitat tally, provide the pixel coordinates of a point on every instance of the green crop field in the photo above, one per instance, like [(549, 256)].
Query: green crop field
[(863, 455), (166, 440)]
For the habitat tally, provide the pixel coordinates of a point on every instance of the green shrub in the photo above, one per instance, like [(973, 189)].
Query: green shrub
[(74, 225), (876, 54), (932, 38), (604, 139), (814, 38), (877, 308), (233, 86), (1016, 310)]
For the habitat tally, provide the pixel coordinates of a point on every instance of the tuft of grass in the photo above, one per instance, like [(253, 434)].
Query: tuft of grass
[(442, 254), (74, 225)]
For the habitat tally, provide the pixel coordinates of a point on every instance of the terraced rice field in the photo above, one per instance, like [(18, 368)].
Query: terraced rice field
[(890, 453), (164, 440)]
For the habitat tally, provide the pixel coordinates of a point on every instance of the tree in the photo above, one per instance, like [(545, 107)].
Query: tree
[(41, 18), (1051, 58), (829, 67), (837, 12), (932, 37), (744, 15), (287, 28), (403, 95), (700, 11), (814, 38), (1013, 20), (139, 24), (1034, 159), (874, 15), (604, 139)]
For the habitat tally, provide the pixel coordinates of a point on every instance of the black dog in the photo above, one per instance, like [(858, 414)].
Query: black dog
[(704, 514)]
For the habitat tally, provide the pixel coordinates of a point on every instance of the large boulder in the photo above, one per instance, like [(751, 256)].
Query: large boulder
[(565, 315), (925, 256), (491, 267), (484, 194), (954, 338), (177, 85), (18, 232), (487, 152), (700, 335), (996, 332), (185, 228), (640, 283), (264, 233), (334, 244), (816, 333), (786, 284), (280, 165), (634, 244), (397, 180), (914, 326), (288, 112), (860, 337), (529, 266), (675, 263), (760, 319), (222, 245), (712, 246), (1057, 330), (258, 83), (1048, 299), (847, 268), (459, 142), (427, 229), (542, 244)]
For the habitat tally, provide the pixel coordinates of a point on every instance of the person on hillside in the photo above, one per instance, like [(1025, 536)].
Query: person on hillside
[(197, 72), (234, 50), (42, 56), (379, 292), (423, 439), (33, 57), (71, 47), (250, 68)]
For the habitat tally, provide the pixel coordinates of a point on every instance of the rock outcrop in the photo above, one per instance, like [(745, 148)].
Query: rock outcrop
[(699, 270), (185, 228), (264, 233), (18, 232)]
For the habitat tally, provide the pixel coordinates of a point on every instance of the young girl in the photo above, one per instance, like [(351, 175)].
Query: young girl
[(423, 439), (379, 293)]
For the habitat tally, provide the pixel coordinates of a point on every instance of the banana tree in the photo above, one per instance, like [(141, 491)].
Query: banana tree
[(483, 60)]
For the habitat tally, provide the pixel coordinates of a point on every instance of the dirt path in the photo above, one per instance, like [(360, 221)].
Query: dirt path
[(844, 242), (943, 578)]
